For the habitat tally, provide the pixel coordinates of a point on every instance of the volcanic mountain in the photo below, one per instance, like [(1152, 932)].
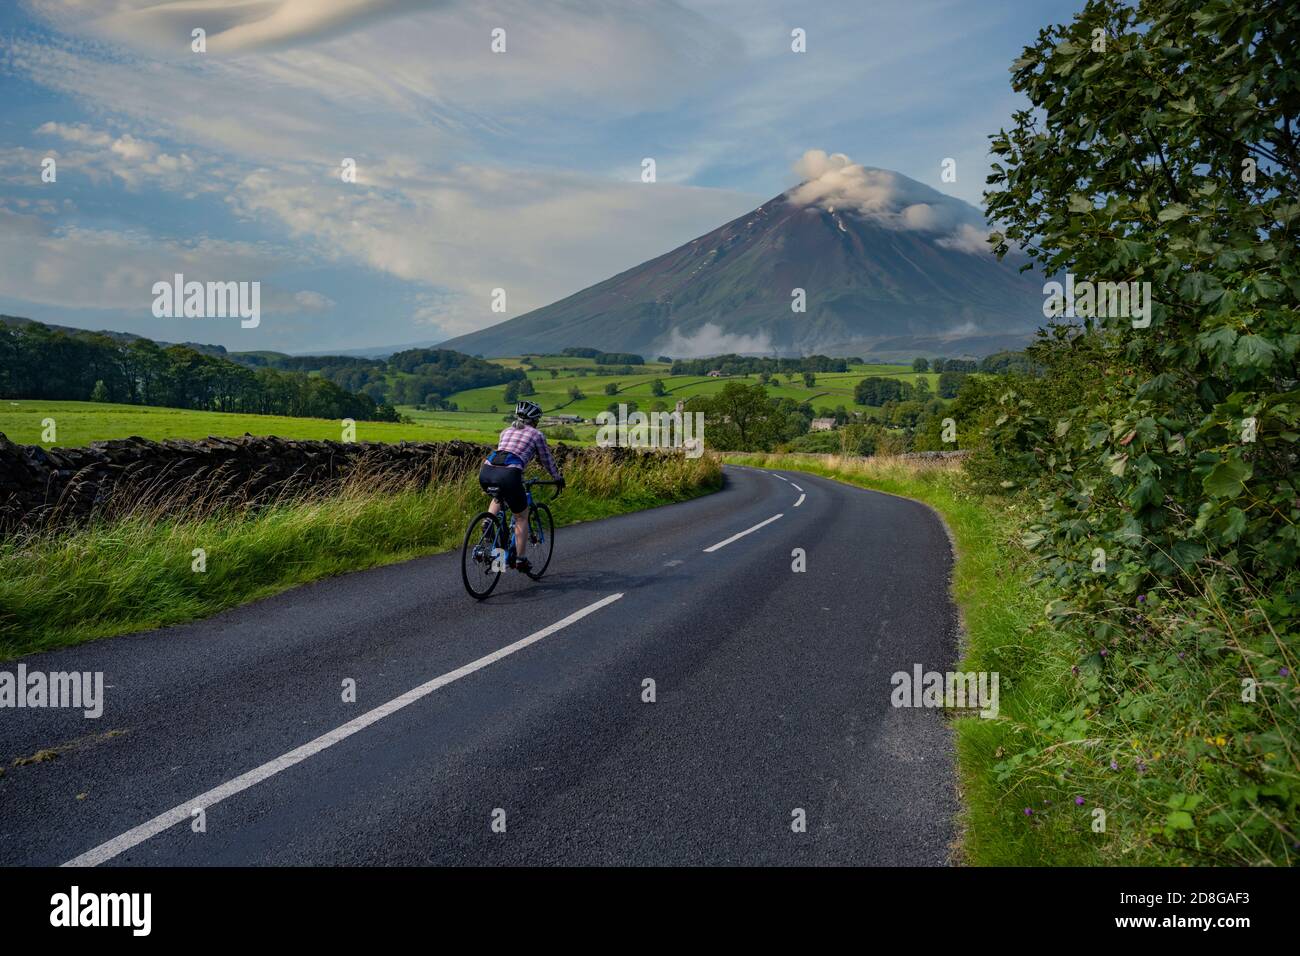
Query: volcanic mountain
[(889, 268)]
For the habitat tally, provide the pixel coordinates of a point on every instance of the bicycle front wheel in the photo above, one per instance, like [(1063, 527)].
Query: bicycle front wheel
[(481, 558), (541, 539)]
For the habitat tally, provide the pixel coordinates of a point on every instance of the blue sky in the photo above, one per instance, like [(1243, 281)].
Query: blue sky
[(476, 170)]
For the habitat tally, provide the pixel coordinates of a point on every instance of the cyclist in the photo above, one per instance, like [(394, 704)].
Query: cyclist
[(504, 471)]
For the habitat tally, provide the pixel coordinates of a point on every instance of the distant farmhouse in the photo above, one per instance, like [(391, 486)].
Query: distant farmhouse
[(821, 425), (561, 420), (716, 373)]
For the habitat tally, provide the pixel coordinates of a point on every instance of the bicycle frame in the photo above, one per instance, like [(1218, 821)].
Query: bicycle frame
[(505, 524)]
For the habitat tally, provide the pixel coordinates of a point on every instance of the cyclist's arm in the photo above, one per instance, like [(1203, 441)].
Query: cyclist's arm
[(544, 456)]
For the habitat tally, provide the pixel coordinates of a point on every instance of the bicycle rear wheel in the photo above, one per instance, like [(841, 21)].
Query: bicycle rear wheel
[(480, 568), (541, 539)]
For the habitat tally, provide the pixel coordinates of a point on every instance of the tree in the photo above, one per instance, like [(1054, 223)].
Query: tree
[(920, 364), (100, 392), (1180, 170), (876, 390), (611, 388), (526, 387), (739, 417), (575, 393), (809, 379), (512, 393), (950, 383), (657, 388)]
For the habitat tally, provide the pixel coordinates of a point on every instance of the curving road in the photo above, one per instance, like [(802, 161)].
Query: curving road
[(772, 704)]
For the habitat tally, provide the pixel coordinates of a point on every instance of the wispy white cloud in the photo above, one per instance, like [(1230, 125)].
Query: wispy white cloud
[(475, 229), (81, 268), (231, 26), (710, 339)]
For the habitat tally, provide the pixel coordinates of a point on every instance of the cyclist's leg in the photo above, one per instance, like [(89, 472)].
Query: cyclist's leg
[(521, 532)]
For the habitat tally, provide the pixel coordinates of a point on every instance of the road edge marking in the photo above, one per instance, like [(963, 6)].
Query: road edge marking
[(164, 821)]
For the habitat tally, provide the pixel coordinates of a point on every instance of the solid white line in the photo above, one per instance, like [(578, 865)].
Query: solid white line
[(151, 828), (723, 544), (795, 487), (800, 501)]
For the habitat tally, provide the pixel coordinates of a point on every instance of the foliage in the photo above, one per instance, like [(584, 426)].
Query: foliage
[(739, 417), (1163, 148), (950, 383), (37, 362), (750, 365), (877, 390)]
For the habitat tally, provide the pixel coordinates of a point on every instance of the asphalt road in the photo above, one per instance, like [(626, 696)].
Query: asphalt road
[(772, 704)]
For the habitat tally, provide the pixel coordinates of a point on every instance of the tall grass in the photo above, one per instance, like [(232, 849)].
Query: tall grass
[(134, 567)]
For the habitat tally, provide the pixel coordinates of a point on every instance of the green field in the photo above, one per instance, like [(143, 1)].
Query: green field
[(78, 423), (830, 389)]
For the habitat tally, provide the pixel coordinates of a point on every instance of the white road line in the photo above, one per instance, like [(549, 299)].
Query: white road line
[(795, 487), (782, 477), (151, 828), (734, 537), (801, 498)]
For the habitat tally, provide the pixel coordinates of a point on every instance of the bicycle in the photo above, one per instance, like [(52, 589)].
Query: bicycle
[(490, 543)]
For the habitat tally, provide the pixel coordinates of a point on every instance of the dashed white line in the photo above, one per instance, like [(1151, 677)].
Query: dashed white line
[(735, 537), (151, 828), (801, 498), (795, 487), (782, 477)]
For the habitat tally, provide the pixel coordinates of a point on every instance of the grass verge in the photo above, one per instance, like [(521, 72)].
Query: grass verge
[(139, 569)]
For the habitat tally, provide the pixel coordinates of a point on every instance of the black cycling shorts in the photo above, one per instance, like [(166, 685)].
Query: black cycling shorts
[(506, 483)]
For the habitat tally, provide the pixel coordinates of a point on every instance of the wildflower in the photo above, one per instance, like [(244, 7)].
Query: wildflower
[(1284, 671), (1029, 811), (1102, 652), (1078, 801), (1142, 599)]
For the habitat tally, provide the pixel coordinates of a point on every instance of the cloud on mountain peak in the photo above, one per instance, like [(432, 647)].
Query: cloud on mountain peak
[(892, 200)]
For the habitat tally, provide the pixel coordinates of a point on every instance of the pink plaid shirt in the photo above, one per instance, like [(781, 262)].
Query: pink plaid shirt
[(524, 443)]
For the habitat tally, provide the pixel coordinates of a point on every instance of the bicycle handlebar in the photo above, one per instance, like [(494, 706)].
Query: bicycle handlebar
[(538, 481)]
